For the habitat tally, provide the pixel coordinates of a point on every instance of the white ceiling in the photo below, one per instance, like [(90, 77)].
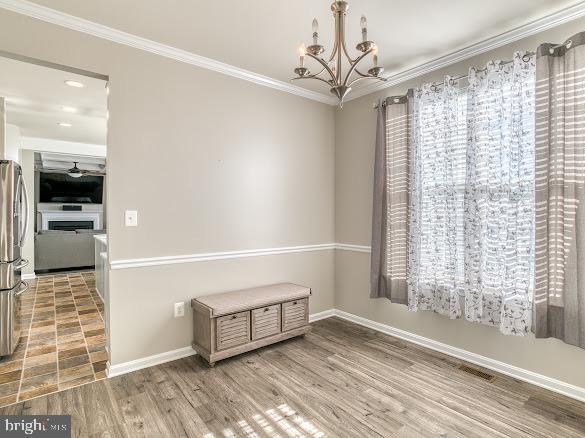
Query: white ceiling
[(35, 97), (263, 36)]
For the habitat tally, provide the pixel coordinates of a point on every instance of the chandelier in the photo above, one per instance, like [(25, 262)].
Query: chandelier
[(331, 69)]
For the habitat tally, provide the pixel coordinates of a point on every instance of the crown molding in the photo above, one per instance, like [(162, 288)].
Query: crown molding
[(526, 30), (52, 16), (49, 15)]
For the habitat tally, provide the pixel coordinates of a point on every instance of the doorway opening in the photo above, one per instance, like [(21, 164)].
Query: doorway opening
[(54, 120)]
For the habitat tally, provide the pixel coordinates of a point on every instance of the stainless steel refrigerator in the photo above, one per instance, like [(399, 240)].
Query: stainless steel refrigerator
[(14, 218)]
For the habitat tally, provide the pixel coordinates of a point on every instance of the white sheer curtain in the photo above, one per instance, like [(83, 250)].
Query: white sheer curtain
[(499, 196), (436, 205), (472, 201)]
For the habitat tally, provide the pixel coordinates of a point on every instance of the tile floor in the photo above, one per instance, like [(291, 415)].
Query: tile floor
[(62, 342)]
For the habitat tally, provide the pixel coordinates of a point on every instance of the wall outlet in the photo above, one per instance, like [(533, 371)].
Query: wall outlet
[(179, 310), (131, 218)]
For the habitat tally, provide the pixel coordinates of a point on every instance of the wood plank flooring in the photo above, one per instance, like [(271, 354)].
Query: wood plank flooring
[(340, 380)]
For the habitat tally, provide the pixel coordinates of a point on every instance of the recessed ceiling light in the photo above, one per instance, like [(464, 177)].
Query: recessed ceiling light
[(69, 109), (65, 124), (75, 84)]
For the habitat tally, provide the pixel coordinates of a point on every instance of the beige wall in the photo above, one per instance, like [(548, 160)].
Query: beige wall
[(354, 155), (180, 282), (211, 163)]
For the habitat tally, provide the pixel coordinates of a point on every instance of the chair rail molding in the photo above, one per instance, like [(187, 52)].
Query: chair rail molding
[(353, 248), (62, 19), (209, 256)]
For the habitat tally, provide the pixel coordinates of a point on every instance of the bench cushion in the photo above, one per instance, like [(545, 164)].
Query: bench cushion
[(236, 301)]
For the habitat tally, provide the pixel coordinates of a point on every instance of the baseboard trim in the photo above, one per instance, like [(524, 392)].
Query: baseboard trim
[(29, 276), (149, 361), (321, 315), (168, 356), (549, 383)]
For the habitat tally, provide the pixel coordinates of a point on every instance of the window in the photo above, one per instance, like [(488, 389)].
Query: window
[(443, 141), (472, 197)]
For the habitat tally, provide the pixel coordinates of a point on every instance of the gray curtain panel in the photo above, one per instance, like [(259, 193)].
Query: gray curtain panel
[(559, 292), (390, 210)]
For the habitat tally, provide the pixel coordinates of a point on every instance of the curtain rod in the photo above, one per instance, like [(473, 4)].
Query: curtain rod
[(526, 57)]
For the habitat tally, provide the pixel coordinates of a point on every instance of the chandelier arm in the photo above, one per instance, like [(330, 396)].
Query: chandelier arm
[(366, 77), (349, 58), (339, 38), (362, 74), (344, 47), (312, 77), (324, 64), (354, 65), (317, 74), (336, 43)]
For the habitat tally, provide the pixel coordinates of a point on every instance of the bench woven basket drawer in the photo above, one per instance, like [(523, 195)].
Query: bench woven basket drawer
[(233, 330), (265, 321), (295, 314)]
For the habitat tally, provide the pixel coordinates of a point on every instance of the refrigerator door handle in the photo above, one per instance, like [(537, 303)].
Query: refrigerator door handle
[(18, 208), (22, 264), (26, 215), (23, 289)]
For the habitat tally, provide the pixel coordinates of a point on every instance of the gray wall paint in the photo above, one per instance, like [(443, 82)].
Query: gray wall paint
[(211, 163), (354, 155), (135, 336), (242, 166)]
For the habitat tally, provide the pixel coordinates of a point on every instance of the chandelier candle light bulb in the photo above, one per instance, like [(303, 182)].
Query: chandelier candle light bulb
[(331, 67), (364, 26), (315, 31), (302, 53)]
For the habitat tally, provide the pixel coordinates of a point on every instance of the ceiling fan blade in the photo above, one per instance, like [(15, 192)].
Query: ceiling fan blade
[(66, 171)]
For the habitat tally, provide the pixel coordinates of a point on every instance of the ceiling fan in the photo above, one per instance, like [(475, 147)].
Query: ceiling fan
[(75, 172)]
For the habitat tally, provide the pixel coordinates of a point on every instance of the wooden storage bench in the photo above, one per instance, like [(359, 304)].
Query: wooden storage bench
[(234, 322)]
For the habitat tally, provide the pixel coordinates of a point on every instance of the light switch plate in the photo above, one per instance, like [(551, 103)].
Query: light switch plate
[(131, 218)]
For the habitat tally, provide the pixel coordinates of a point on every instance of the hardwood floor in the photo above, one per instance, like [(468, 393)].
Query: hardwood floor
[(341, 380)]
